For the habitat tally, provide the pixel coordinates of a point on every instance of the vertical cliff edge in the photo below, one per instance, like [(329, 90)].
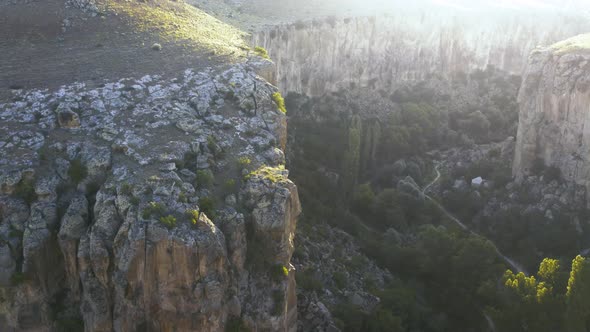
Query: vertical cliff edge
[(147, 204), (554, 101), (323, 55)]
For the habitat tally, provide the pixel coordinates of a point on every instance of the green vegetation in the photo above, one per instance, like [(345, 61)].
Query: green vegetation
[(77, 171), (280, 102), (17, 278), (278, 298), (347, 168), (244, 162), (577, 43), (273, 174), (553, 300), (154, 210), (205, 178), (70, 324), (134, 201), (212, 145), (279, 272), (351, 318), (25, 190), (207, 206), (352, 156), (229, 185), (308, 280), (126, 189), (236, 324), (261, 51), (169, 221), (193, 216), (340, 279), (182, 197)]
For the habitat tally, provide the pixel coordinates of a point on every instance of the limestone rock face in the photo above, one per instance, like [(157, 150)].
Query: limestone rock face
[(555, 111), (138, 217), (379, 52)]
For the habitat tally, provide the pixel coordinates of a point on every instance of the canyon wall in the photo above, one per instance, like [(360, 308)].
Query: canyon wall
[(147, 204), (554, 125), (379, 52)]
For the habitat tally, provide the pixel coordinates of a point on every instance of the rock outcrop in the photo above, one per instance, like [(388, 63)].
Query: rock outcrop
[(555, 112), (379, 52), (139, 206)]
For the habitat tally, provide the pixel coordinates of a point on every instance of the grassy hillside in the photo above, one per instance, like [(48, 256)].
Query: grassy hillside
[(39, 50)]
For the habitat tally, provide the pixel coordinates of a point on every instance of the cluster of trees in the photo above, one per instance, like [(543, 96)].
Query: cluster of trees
[(553, 300), (445, 277)]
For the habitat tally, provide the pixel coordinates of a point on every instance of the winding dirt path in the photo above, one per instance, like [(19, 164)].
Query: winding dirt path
[(513, 264)]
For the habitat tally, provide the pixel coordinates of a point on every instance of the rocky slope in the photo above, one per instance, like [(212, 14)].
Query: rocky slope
[(554, 114), (378, 52), (142, 205)]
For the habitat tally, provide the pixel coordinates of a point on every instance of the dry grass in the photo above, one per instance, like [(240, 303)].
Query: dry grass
[(180, 22), (577, 43)]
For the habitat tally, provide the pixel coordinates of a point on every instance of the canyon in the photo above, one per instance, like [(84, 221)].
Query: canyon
[(383, 52), (168, 190)]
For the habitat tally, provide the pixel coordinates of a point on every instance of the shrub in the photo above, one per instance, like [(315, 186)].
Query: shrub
[(126, 189), (273, 174), (17, 278), (77, 171), (261, 51), (244, 162), (278, 272), (182, 198), (230, 185), (235, 324), (153, 210), (157, 47), (169, 221), (278, 99), (552, 173), (70, 324), (538, 166), (307, 280), (230, 95), (279, 302), (193, 215), (340, 279), (26, 191), (204, 178), (212, 144), (92, 187), (134, 200), (207, 206)]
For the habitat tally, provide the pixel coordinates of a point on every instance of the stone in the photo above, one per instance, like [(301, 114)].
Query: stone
[(67, 118), (477, 182), (133, 258), (553, 114)]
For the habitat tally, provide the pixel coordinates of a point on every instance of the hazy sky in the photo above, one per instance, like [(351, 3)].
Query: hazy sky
[(516, 4)]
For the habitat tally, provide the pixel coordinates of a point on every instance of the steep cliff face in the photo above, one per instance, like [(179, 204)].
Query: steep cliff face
[(139, 206), (555, 111), (378, 52)]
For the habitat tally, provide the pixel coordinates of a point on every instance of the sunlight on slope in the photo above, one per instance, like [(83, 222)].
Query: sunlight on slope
[(180, 22), (577, 43)]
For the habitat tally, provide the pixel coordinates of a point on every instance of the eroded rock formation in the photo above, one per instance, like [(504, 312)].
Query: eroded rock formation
[(555, 111), (378, 52), (137, 206)]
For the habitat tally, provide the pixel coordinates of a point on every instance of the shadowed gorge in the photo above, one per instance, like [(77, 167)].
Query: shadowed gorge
[(256, 165)]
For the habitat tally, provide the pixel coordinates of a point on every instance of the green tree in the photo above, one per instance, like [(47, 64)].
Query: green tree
[(353, 155), (364, 199), (578, 296)]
